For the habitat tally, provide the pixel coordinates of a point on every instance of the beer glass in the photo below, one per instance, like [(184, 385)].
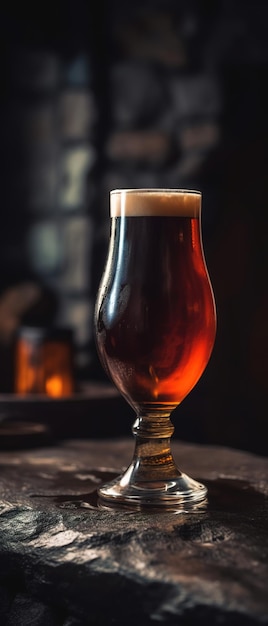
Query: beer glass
[(155, 324)]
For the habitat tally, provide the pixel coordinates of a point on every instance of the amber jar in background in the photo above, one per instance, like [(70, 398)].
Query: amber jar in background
[(44, 361)]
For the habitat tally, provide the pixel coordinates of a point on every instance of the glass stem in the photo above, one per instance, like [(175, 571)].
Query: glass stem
[(153, 461)]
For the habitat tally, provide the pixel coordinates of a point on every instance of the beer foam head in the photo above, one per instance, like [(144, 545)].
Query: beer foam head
[(155, 202)]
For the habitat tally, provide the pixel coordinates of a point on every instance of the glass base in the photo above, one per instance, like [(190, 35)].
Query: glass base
[(180, 492)]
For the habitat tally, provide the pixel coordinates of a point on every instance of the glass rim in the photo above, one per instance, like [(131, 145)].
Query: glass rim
[(166, 190)]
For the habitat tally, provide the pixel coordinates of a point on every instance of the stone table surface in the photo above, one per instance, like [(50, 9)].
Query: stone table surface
[(66, 561)]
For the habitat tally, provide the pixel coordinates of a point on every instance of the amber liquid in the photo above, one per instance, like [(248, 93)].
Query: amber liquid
[(155, 314)]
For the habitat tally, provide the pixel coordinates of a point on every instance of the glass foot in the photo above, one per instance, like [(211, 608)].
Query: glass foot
[(179, 492)]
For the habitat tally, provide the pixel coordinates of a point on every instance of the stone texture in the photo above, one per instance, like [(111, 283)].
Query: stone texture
[(77, 237), (76, 163), (76, 114), (145, 147), (42, 177), (81, 564), (138, 94), (152, 37)]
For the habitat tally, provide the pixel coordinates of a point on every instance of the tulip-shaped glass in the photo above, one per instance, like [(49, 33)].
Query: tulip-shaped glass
[(155, 325)]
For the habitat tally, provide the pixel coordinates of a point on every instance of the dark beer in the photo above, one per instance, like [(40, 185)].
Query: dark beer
[(155, 314)]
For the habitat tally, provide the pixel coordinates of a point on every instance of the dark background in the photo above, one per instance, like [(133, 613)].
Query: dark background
[(159, 94)]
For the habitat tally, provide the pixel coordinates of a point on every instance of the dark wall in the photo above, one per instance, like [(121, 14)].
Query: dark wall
[(157, 94)]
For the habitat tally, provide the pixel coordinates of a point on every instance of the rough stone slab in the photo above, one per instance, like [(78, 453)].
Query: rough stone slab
[(74, 563)]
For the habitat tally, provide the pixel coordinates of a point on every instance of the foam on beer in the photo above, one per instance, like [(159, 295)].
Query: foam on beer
[(154, 202)]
